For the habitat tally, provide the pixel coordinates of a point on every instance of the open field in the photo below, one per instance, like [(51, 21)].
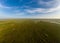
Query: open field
[(29, 31)]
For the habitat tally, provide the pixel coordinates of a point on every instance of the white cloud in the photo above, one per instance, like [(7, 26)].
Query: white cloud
[(35, 10), (55, 3), (55, 15), (51, 3), (3, 6), (43, 10), (54, 9)]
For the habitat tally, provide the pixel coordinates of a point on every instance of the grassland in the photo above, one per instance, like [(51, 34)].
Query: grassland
[(29, 31)]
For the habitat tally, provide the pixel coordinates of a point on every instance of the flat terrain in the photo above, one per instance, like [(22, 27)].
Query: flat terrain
[(30, 31)]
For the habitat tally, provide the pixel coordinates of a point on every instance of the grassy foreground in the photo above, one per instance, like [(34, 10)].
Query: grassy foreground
[(29, 31)]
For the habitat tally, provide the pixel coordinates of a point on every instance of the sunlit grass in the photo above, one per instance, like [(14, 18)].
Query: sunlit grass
[(29, 31)]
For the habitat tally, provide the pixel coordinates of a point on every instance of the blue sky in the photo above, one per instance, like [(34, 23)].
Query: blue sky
[(29, 9)]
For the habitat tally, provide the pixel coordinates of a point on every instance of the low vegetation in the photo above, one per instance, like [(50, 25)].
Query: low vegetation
[(29, 31)]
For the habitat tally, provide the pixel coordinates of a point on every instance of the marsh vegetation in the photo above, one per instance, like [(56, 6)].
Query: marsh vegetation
[(29, 31)]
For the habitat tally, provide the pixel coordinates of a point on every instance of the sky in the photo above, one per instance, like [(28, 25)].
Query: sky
[(29, 9)]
